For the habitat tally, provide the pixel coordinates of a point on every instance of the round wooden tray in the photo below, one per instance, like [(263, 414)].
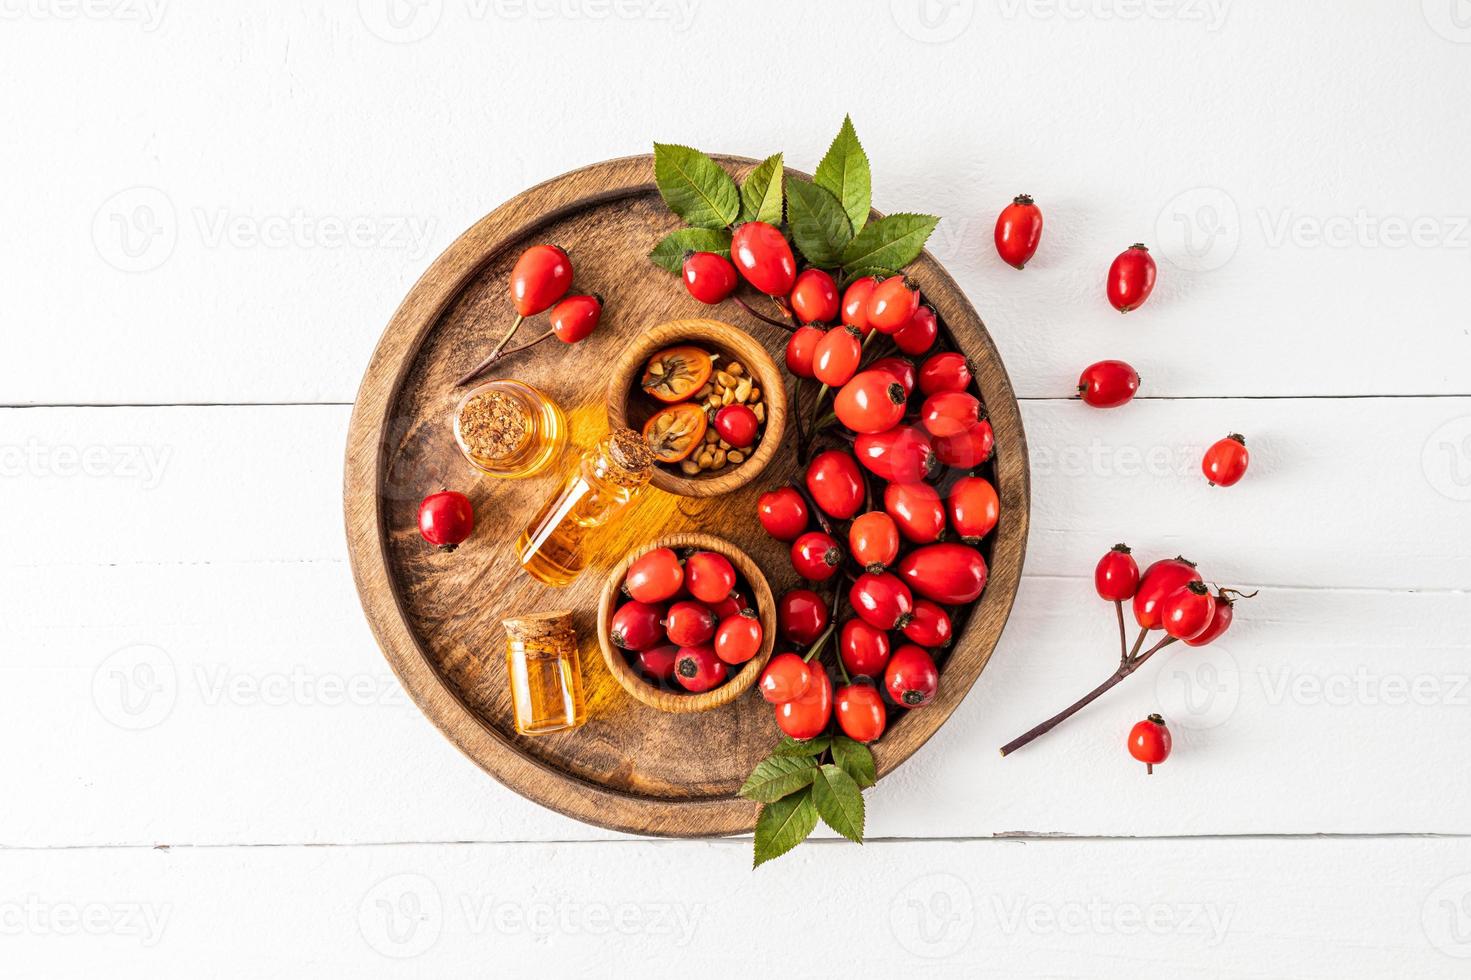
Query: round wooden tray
[(437, 616)]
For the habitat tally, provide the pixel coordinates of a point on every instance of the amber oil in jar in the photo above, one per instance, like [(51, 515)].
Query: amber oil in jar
[(558, 543), (545, 673), (509, 429)]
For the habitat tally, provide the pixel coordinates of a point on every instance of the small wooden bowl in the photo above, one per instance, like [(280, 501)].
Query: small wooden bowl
[(675, 701), (628, 406)]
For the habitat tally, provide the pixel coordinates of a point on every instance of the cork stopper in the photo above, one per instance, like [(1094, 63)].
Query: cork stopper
[(629, 450), (541, 628)]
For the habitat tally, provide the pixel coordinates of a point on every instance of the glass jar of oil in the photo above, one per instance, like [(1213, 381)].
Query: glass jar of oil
[(544, 672), (509, 429), (557, 545)]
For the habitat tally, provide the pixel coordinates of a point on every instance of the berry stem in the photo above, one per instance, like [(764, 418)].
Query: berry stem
[(1118, 607), (813, 509), (761, 316), (500, 355)]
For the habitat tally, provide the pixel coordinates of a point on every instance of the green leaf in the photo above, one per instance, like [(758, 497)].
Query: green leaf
[(890, 243), (761, 196), (839, 802), (695, 187), (810, 746), (820, 229), (853, 275), (855, 759), (669, 253), (844, 171), (779, 775), (783, 825)]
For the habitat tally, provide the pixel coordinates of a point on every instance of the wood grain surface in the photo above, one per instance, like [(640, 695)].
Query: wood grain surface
[(437, 616)]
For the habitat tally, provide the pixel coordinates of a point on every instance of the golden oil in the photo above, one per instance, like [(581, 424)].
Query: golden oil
[(544, 673), (556, 546)]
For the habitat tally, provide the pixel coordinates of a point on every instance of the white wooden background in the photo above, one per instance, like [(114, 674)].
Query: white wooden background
[(210, 210)]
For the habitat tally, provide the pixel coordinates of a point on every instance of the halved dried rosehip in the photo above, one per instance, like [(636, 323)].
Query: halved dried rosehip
[(676, 373), (674, 432)]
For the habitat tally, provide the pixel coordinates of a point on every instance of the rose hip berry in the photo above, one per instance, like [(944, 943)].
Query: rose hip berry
[(881, 601), (806, 715), (762, 255), (654, 577), (917, 509), (785, 678), (709, 277), (737, 425), (944, 372), (801, 616), (1225, 461), (658, 663), (835, 483), (688, 623), (969, 449), (891, 304), (953, 574), (1220, 621), (951, 413), (873, 540), (1149, 742), (739, 637), (1186, 612), (1117, 575), (446, 519), (1159, 580), (911, 677), (697, 669), (576, 317), (930, 626), (802, 350), (864, 648), (710, 577), (540, 277), (901, 369), (904, 454), (1131, 278), (855, 303), (871, 402), (635, 626), (919, 334), (814, 297), (973, 507), (1018, 231), (1107, 384), (783, 513), (837, 357), (861, 713), (816, 556)]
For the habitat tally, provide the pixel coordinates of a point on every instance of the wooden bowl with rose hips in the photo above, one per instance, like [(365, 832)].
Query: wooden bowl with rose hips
[(686, 623), (709, 399)]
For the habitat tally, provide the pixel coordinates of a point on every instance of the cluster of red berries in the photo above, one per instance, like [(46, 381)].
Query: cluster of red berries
[(686, 621)]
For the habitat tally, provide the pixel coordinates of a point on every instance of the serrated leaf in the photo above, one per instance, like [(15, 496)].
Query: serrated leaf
[(810, 746), (819, 227), (669, 253), (844, 170), (695, 187), (783, 825), (855, 759), (778, 775), (889, 243), (839, 802), (761, 194), (853, 275)]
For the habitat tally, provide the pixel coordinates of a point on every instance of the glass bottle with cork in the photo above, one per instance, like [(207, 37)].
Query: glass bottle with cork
[(556, 545), (545, 673)]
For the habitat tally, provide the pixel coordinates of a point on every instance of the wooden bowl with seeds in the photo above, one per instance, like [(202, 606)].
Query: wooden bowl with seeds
[(743, 372)]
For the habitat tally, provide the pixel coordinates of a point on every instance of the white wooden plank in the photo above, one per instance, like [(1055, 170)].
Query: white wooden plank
[(247, 703), (1216, 908), (244, 235), (1355, 493)]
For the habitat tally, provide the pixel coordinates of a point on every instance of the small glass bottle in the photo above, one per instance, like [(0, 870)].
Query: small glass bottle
[(555, 546), (544, 673), (509, 429)]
